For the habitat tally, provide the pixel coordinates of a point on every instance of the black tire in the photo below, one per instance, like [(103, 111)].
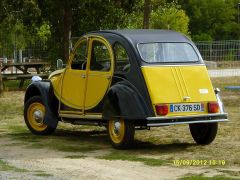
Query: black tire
[(123, 139), (203, 133), (34, 121)]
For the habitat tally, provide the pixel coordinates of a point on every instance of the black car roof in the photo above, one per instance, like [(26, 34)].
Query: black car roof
[(148, 35)]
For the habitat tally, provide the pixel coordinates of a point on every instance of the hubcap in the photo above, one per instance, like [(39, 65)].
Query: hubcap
[(117, 127), (38, 115), (35, 116), (116, 130)]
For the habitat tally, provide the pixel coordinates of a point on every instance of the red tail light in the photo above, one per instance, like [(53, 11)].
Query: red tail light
[(213, 107), (162, 109)]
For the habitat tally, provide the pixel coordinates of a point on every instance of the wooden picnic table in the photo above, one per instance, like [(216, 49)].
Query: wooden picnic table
[(24, 68)]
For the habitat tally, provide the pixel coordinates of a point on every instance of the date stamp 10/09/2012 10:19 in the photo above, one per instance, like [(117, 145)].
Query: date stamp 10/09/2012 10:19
[(198, 162)]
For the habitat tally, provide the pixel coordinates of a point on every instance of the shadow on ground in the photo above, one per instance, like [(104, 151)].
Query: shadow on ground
[(90, 140)]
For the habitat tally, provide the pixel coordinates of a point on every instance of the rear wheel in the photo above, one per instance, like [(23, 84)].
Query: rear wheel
[(121, 133), (34, 113), (204, 133)]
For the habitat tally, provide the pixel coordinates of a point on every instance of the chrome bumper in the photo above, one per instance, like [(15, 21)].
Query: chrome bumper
[(173, 120)]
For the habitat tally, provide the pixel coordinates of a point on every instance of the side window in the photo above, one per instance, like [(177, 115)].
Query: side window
[(100, 57), (80, 57), (121, 58)]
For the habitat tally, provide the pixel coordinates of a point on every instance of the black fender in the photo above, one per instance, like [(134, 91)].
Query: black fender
[(45, 90), (124, 101)]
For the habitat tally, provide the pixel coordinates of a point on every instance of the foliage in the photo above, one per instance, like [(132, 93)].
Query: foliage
[(203, 37), (44, 32), (213, 19), (170, 16), (53, 21), (163, 16)]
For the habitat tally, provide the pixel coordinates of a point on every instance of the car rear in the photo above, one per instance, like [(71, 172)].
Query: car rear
[(178, 84)]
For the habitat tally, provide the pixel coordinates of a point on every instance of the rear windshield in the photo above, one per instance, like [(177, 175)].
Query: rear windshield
[(167, 52)]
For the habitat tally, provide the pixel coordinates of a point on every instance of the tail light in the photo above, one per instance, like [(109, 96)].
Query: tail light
[(213, 107), (162, 109)]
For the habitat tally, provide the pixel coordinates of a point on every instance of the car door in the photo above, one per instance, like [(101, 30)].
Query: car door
[(100, 71), (74, 79)]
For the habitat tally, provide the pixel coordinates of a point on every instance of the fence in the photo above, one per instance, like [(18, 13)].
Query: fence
[(217, 54), (32, 50), (221, 54)]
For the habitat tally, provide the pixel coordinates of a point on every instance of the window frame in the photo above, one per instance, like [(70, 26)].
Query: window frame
[(73, 53), (115, 59), (91, 49), (173, 62)]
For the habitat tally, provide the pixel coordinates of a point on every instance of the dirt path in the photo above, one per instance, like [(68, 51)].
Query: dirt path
[(51, 164)]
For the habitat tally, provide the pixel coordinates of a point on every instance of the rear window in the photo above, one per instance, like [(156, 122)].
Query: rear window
[(167, 52)]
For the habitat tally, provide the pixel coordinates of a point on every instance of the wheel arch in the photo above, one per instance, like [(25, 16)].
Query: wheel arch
[(44, 89), (31, 91), (124, 101)]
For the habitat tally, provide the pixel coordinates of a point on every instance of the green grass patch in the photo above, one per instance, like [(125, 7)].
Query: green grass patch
[(42, 174), (13, 85), (18, 128), (25, 136), (4, 166), (75, 157), (124, 157), (65, 144), (66, 141), (229, 97), (200, 177), (231, 173), (72, 148)]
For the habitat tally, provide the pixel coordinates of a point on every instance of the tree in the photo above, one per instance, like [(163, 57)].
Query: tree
[(74, 18), (146, 14), (170, 16), (213, 20), (1, 85), (162, 15), (19, 20)]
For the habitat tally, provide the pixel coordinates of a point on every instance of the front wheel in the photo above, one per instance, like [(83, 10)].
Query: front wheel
[(204, 133), (34, 113), (121, 133)]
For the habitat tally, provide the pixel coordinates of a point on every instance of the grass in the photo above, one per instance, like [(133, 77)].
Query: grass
[(158, 147), (13, 85), (4, 166), (229, 97), (55, 142), (75, 156), (199, 177), (42, 174), (231, 173), (60, 146), (130, 157)]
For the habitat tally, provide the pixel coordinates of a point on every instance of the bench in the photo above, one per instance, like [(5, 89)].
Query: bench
[(22, 77), (25, 69)]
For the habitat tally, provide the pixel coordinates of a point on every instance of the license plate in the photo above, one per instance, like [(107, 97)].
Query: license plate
[(189, 107)]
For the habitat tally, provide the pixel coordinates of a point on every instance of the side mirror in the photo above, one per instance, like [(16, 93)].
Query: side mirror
[(60, 64)]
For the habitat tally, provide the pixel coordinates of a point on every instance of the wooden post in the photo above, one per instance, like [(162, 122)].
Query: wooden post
[(1, 84), (146, 13), (67, 22)]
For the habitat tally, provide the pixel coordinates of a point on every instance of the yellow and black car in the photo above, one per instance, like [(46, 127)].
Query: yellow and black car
[(127, 80)]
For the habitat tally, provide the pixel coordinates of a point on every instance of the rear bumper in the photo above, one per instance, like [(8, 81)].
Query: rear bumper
[(173, 120)]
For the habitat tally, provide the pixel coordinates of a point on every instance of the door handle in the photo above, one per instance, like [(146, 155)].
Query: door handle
[(83, 75)]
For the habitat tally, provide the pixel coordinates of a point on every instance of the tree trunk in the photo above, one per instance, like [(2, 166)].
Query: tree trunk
[(146, 15), (1, 84), (67, 25)]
